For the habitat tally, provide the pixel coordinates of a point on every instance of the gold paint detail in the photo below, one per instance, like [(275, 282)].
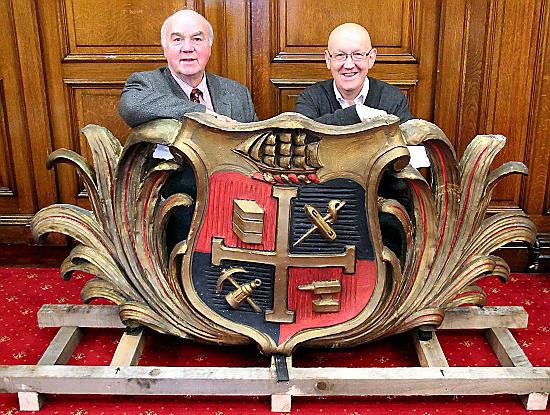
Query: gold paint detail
[(248, 221), (322, 223), (248, 209), (325, 304), (281, 259), (242, 293), (282, 152), (250, 225)]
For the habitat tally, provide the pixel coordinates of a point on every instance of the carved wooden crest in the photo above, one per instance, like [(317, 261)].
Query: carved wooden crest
[(285, 245)]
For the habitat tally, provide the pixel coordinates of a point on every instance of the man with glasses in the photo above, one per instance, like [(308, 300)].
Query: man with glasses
[(351, 96)]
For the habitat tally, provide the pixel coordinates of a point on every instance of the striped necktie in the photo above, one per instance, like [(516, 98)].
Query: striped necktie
[(195, 95)]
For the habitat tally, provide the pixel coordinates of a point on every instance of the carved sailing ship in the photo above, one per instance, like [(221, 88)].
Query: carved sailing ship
[(285, 246)]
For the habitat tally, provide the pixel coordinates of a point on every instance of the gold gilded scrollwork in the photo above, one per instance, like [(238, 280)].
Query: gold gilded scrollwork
[(449, 237)]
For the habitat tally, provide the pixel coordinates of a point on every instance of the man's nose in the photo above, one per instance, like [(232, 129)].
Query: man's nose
[(187, 46), (349, 63)]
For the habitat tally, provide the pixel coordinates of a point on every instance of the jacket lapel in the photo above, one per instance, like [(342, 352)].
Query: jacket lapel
[(373, 97), (328, 86), (219, 95), (176, 89)]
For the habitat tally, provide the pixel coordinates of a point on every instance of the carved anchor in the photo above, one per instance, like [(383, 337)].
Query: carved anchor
[(242, 292), (281, 259), (322, 223)]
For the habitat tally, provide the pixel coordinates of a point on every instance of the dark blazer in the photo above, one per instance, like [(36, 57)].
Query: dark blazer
[(156, 94), (319, 102)]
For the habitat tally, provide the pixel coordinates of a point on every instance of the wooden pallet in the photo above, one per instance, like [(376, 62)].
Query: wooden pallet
[(51, 375)]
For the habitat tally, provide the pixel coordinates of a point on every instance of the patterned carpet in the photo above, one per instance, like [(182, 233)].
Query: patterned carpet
[(23, 291)]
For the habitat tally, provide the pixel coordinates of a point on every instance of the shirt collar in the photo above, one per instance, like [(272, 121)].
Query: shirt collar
[(188, 88), (359, 99)]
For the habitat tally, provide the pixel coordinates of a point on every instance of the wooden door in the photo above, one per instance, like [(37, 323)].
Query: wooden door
[(92, 46), (289, 37), (23, 124)]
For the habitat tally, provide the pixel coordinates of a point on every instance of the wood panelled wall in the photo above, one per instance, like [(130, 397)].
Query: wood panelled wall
[(470, 66)]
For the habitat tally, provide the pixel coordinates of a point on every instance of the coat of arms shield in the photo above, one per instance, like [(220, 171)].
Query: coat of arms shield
[(283, 248)]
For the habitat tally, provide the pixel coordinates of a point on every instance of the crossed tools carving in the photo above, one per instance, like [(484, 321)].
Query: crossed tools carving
[(322, 223), (242, 293)]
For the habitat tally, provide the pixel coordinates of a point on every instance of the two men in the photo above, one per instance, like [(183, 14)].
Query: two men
[(184, 86), (186, 37)]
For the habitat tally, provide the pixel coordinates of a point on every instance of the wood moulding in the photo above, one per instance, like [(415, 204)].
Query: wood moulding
[(123, 377), (448, 240), (25, 255), (539, 255)]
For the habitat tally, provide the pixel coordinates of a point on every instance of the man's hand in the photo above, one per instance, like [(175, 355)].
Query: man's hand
[(366, 113)]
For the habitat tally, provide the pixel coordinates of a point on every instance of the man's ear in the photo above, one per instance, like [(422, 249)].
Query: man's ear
[(327, 59), (372, 57)]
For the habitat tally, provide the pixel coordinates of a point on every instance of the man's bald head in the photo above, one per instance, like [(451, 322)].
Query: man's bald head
[(349, 57), (347, 33)]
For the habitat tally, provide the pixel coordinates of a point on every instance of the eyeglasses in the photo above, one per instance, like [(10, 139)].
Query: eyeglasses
[(355, 56)]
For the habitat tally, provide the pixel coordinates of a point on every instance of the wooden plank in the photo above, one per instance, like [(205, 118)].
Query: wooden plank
[(58, 352), (82, 315), (506, 348), (30, 401), (430, 353), (408, 381), (535, 401), (129, 348), (106, 316), (518, 377), (483, 318), (281, 403), (62, 346), (509, 353)]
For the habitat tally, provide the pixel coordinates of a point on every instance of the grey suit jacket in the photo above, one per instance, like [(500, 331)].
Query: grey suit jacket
[(156, 94), (319, 103)]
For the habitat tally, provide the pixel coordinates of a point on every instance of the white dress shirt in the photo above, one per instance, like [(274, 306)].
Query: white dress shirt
[(419, 157), (162, 151)]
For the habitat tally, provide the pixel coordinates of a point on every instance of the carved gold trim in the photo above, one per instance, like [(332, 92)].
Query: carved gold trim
[(449, 239)]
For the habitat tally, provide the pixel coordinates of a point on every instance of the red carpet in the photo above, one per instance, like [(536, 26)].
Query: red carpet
[(23, 291)]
